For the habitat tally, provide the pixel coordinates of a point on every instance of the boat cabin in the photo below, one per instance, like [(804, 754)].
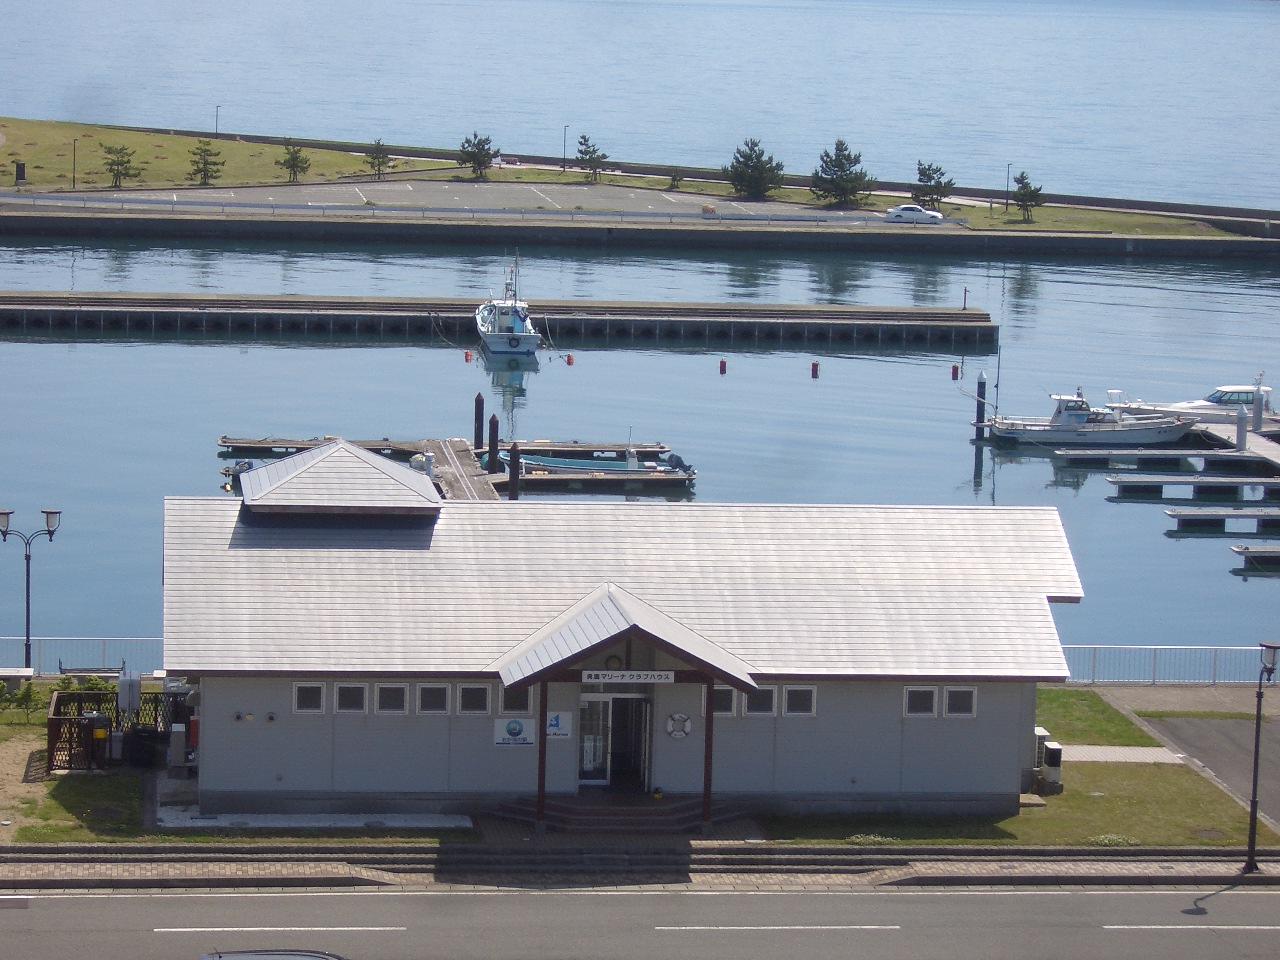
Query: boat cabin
[(1240, 396)]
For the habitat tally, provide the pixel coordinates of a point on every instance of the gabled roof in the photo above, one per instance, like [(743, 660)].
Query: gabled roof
[(829, 590), (599, 617), (338, 478)]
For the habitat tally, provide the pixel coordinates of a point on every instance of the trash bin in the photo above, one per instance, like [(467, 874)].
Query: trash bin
[(19, 173)]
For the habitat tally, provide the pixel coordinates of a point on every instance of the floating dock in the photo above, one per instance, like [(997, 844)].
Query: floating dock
[(564, 322)]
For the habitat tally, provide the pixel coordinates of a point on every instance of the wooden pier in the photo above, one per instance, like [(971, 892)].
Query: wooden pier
[(1258, 558), (1139, 485), (1213, 520), (451, 321)]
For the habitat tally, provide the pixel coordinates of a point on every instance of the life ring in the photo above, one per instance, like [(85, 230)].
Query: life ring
[(679, 725), (513, 342), (513, 364)]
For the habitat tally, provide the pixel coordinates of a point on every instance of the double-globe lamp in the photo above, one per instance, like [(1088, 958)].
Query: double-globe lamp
[(51, 520)]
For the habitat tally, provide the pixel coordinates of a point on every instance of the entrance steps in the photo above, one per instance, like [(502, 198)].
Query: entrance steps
[(629, 815)]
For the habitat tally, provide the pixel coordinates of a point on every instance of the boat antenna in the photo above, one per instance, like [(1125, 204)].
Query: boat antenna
[(999, 352)]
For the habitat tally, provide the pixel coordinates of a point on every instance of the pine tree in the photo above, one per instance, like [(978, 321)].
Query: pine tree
[(751, 173), (477, 152), (294, 161), (119, 164), (932, 189), (591, 157), (840, 177), (1026, 196), (205, 165), (377, 158)]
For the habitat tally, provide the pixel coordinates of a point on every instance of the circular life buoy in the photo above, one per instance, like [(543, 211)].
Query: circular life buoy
[(513, 364), (679, 725), (513, 342)]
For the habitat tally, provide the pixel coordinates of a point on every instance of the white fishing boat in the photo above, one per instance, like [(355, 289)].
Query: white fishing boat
[(1220, 406), (1074, 422), (504, 325)]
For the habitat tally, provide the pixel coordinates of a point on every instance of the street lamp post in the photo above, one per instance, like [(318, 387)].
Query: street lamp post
[(1008, 169), (564, 149), (51, 520), (74, 141), (216, 110), (1269, 653)]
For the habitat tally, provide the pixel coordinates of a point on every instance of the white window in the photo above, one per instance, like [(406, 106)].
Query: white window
[(722, 701), (349, 697), (391, 698), (433, 698), (516, 701), (920, 701), (799, 701), (473, 698), (759, 703), (961, 702), (308, 698)]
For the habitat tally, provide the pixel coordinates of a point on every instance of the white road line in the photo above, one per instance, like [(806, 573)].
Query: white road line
[(1191, 926), (840, 927), (665, 197), (278, 929), (546, 198), (363, 198)]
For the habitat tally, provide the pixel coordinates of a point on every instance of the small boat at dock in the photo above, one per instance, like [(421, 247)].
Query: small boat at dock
[(504, 325), (1075, 422), (670, 468)]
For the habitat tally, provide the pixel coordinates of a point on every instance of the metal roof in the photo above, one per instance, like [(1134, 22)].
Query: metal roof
[(338, 478), (821, 590), (597, 618)]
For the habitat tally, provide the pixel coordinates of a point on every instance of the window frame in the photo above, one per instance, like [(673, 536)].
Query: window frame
[(946, 702), (773, 702), (503, 711), (733, 701), (813, 701), (906, 694), (377, 699), (432, 713), (364, 697), (488, 700), (309, 683)]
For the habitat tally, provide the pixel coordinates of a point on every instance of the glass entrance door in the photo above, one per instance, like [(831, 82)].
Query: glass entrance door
[(593, 727)]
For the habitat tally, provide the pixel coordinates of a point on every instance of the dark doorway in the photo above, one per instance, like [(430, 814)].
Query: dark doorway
[(629, 746)]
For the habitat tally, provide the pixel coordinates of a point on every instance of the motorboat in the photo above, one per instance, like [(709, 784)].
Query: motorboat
[(504, 324), (599, 462), (1075, 422), (1220, 406)]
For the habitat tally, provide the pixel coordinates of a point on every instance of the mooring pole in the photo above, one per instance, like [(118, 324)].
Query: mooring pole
[(1242, 429), (479, 444), (495, 465), (979, 431), (513, 477)]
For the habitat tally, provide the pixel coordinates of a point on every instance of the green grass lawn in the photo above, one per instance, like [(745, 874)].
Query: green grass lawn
[(1082, 717), (1198, 715), (1104, 804)]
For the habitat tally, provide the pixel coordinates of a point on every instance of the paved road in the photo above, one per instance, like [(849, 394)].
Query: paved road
[(992, 925), (1226, 748)]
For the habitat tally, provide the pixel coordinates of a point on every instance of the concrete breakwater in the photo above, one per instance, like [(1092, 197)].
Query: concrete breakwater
[(565, 323), (506, 231)]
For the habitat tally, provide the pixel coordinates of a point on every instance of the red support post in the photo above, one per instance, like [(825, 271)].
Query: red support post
[(542, 753), (708, 743)]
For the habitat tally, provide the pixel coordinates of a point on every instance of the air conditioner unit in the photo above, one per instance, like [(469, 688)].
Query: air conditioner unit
[(1042, 737), (1051, 769)]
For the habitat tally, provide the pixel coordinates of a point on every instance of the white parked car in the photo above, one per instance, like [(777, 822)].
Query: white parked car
[(912, 213)]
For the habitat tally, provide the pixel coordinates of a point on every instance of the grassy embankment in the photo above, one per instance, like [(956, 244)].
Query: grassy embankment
[(45, 146)]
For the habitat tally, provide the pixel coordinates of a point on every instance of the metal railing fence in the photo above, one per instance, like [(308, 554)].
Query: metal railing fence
[(1091, 664), (138, 654)]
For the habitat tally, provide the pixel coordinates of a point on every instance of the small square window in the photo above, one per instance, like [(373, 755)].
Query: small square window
[(349, 697), (920, 702), (961, 702), (392, 698), (473, 698), (308, 698), (800, 701), (433, 698), (515, 701), (759, 703), (722, 701)]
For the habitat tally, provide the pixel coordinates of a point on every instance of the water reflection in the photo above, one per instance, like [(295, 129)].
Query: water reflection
[(507, 376), (837, 281)]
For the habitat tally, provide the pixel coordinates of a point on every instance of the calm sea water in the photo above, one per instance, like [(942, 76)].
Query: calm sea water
[(1165, 99), (105, 430)]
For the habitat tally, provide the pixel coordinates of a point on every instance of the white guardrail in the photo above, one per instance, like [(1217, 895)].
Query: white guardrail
[(1089, 664)]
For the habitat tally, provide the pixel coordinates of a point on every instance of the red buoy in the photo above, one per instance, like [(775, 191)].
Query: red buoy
[(724, 367), (955, 371), (569, 359), (813, 370), (468, 356)]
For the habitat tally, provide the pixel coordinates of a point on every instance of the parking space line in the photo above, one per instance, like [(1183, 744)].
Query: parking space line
[(363, 198), (545, 197)]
